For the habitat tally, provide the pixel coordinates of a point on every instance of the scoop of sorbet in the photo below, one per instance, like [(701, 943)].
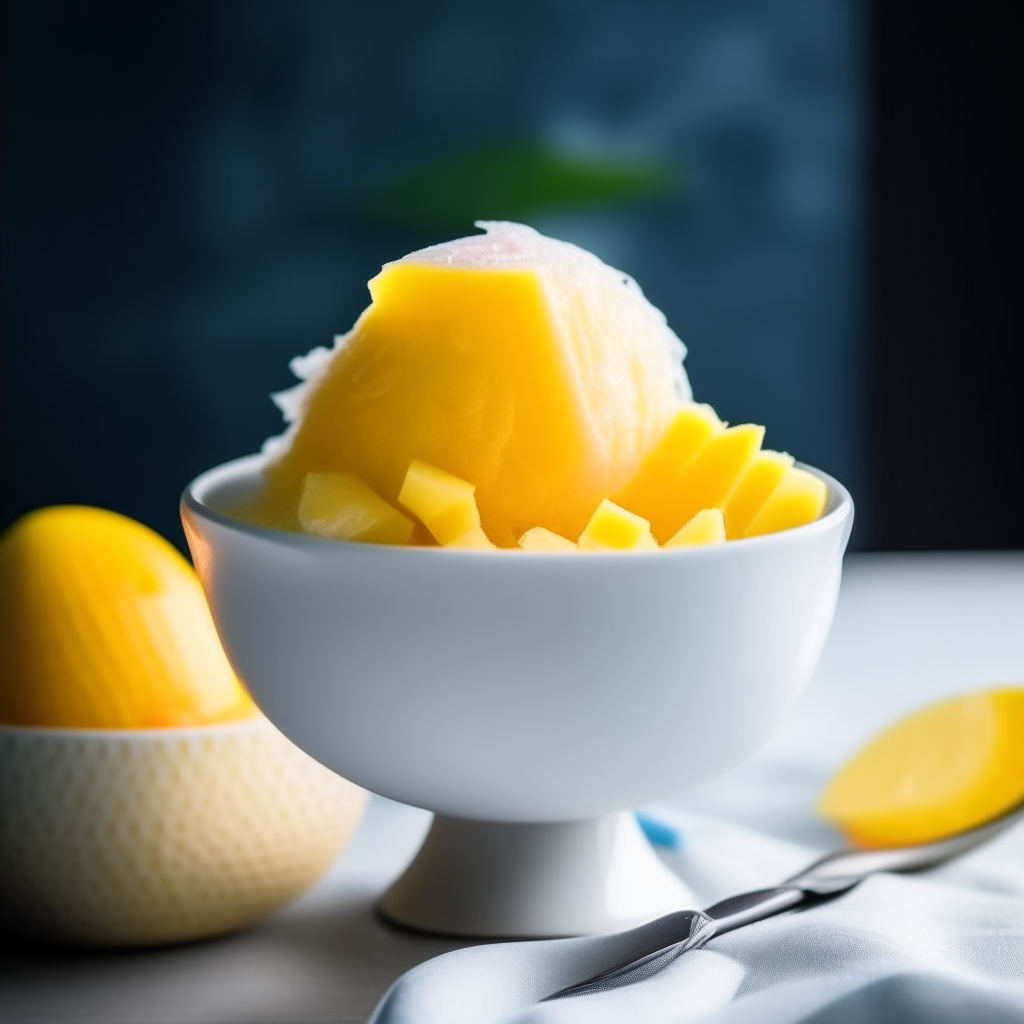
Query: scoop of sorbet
[(513, 360)]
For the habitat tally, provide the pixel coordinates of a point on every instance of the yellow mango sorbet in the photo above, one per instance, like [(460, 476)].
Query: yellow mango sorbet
[(512, 391), (517, 362)]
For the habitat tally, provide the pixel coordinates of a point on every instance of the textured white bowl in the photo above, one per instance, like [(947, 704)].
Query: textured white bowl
[(513, 686), (135, 837)]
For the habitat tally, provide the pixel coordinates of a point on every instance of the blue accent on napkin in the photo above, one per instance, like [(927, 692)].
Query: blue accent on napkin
[(659, 830)]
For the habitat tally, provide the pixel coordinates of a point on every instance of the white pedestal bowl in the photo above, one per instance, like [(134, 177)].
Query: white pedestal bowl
[(524, 698)]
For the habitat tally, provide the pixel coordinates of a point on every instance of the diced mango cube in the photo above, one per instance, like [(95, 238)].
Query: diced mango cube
[(474, 538), (613, 528), (760, 478), (799, 499), (444, 503), (706, 527), (656, 488), (541, 539), (342, 506)]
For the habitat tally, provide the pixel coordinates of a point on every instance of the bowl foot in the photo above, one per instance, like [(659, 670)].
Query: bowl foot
[(533, 880)]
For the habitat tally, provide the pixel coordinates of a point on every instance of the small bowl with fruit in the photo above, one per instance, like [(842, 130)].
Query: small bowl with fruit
[(501, 566), (145, 799)]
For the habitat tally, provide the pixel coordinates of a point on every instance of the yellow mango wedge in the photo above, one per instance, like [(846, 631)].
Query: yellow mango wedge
[(798, 499), (943, 769), (658, 488), (613, 528), (706, 527), (710, 476), (516, 361), (759, 480), (541, 539), (341, 506), (104, 625), (474, 538), (445, 504)]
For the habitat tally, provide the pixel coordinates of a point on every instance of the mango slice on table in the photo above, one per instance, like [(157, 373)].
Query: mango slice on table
[(445, 504), (798, 499), (516, 361), (940, 770), (658, 487), (706, 527), (613, 528), (541, 539), (759, 480), (341, 506)]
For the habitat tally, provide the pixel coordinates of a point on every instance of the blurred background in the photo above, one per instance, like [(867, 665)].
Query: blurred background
[(819, 194)]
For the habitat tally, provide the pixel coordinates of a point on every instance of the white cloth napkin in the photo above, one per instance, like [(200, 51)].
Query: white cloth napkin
[(937, 947)]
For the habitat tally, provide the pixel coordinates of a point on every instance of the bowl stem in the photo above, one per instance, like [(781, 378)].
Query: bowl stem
[(533, 880)]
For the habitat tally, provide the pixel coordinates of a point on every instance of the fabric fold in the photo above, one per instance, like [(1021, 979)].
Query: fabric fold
[(945, 945)]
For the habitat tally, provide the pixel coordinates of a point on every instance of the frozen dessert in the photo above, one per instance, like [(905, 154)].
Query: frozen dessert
[(519, 363), (509, 390)]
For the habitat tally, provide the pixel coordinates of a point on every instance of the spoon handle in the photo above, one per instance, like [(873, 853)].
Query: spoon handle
[(840, 871), (832, 875), (700, 927)]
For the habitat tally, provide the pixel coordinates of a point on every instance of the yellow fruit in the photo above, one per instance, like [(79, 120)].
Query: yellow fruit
[(518, 362), (474, 538), (659, 487), (104, 625), (759, 480), (444, 504), (710, 476), (706, 527), (341, 506), (539, 539), (798, 499), (943, 769), (612, 528)]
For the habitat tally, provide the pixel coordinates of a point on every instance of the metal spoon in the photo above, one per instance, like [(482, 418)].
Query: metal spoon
[(671, 936)]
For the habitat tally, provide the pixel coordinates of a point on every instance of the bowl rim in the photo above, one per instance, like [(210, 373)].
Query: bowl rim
[(839, 511), (253, 724)]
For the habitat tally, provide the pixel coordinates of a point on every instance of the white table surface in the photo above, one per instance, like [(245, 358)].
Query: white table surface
[(909, 629)]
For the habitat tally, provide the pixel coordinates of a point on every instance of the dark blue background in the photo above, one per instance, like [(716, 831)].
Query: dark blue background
[(183, 185)]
